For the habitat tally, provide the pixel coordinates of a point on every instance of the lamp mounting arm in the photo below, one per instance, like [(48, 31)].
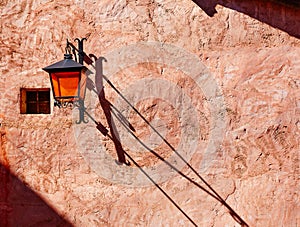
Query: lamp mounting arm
[(83, 57), (78, 49)]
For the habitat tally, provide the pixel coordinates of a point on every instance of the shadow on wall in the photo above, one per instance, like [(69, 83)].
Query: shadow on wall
[(281, 14), (109, 109), (20, 206)]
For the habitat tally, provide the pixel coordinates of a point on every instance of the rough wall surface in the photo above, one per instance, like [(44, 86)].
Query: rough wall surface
[(220, 92)]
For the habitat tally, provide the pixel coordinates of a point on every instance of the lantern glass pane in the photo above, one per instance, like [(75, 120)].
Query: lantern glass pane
[(31, 96), (65, 84)]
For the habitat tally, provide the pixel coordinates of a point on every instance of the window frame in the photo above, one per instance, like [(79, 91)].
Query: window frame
[(24, 103)]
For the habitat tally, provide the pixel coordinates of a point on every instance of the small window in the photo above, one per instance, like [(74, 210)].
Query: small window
[(35, 101)]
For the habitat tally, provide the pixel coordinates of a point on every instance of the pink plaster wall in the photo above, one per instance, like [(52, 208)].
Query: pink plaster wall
[(218, 83)]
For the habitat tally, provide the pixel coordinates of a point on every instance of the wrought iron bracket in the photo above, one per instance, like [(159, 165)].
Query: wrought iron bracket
[(81, 109), (79, 49), (72, 104)]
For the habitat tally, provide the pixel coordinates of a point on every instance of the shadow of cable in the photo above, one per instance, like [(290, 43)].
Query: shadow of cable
[(162, 191), (100, 77), (212, 192), (104, 132)]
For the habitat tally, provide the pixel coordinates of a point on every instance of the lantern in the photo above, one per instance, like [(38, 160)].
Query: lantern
[(68, 80)]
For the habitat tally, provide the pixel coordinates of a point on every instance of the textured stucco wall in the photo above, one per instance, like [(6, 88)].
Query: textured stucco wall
[(221, 92)]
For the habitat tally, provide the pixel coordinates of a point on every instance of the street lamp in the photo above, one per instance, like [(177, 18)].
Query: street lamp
[(68, 79)]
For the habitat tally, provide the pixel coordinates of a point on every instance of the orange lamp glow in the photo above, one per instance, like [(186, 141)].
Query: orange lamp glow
[(68, 80)]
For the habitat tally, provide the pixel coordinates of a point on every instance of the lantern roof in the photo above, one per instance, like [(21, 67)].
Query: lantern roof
[(64, 65)]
